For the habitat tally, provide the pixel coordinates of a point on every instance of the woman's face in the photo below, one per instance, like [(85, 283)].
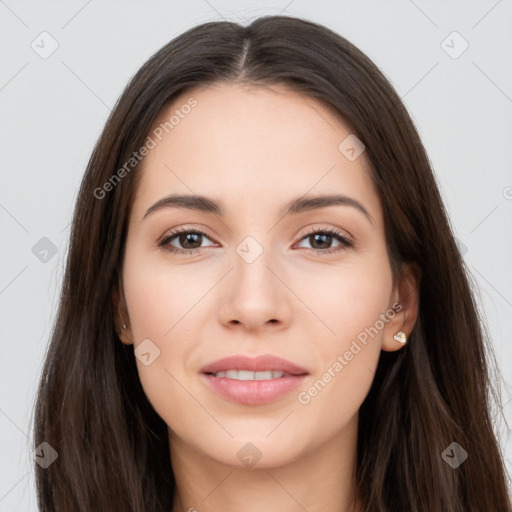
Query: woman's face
[(258, 280)]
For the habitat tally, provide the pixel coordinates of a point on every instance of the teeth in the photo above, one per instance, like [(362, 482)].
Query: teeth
[(248, 375)]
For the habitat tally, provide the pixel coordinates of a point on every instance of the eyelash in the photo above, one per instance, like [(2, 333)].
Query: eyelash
[(164, 242)]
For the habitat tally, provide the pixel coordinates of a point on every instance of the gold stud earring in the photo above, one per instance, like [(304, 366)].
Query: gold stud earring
[(400, 337)]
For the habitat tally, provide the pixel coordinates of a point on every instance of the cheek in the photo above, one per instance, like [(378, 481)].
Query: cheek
[(157, 311), (161, 297), (350, 304), (347, 299), (168, 304)]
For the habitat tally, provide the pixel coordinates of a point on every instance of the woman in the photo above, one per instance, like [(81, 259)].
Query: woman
[(264, 307)]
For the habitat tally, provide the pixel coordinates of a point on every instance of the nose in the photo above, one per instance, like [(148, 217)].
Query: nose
[(253, 296)]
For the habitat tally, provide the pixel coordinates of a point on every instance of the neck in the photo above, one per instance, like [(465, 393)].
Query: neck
[(321, 480)]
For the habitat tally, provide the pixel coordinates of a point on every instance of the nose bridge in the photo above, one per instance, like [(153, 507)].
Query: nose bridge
[(251, 273), (255, 295)]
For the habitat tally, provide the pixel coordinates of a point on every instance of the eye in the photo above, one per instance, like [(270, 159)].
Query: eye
[(189, 239), (324, 237)]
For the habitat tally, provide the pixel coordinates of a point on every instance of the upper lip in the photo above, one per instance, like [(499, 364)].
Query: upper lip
[(256, 364)]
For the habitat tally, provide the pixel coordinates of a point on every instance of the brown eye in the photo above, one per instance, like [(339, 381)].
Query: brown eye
[(321, 241), (188, 240)]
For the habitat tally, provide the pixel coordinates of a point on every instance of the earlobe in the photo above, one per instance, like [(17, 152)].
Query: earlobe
[(118, 306), (400, 337), (122, 333), (406, 293)]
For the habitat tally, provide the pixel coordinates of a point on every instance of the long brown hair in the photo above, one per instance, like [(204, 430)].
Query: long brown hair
[(112, 447)]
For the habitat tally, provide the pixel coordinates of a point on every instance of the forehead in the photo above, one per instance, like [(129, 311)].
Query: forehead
[(252, 147)]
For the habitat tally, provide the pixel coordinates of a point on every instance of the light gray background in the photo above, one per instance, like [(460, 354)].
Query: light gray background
[(53, 110)]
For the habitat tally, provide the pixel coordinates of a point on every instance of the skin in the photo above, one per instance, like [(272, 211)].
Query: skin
[(292, 301)]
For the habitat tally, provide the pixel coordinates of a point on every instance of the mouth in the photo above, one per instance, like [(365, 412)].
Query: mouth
[(250, 375), (252, 381)]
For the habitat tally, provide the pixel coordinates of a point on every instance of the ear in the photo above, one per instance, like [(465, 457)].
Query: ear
[(120, 314), (405, 303)]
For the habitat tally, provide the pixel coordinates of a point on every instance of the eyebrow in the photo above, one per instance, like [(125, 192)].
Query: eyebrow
[(294, 207)]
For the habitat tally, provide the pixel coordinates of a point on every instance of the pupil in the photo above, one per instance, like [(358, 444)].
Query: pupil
[(323, 238), (184, 239)]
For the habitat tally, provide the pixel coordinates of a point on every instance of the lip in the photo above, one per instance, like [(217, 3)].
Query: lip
[(254, 364), (253, 392)]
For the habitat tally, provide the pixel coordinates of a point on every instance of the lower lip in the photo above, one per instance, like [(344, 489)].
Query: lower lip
[(253, 392)]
